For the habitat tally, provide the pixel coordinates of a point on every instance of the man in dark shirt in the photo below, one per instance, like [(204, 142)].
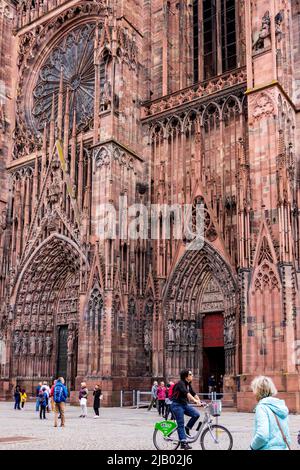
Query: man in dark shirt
[(183, 393)]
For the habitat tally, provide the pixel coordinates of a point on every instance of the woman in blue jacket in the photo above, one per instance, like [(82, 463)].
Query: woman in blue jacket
[(271, 417)]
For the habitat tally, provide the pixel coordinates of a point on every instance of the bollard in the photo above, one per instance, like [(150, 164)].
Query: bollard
[(121, 399)]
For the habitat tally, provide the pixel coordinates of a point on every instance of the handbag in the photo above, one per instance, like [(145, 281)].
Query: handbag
[(282, 433)]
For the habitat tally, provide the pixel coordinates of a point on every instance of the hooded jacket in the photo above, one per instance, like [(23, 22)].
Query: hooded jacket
[(267, 435)]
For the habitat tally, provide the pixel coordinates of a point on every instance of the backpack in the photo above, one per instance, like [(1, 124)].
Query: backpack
[(41, 398), (173, 395), (58, 393)]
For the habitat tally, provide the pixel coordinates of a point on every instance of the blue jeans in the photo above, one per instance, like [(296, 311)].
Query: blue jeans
[(37, 405), (17, 405), (179, 410)]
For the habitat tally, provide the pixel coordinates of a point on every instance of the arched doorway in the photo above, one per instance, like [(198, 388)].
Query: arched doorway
[(200, 301), (46, 313)]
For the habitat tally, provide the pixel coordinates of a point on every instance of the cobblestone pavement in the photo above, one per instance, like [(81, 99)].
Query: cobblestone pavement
[(116, 429)]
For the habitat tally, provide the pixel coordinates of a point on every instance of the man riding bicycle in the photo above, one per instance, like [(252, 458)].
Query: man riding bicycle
[(182, 394)]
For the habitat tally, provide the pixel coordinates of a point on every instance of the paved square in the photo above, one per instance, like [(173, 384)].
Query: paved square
[(116, 429)]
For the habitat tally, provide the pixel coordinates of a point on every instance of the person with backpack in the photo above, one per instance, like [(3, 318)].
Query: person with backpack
[(183, 393), (37, 392), (60, 396), (43, 402), (168, 400), (271, 417)]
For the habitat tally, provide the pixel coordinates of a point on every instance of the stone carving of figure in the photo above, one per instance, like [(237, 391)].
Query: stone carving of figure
[(40, 344), (177, 332), (48, 345), (147, 338), (264, 32), (171, 331), (17, 343), (106, 96), (193, 334), (70, 342), (32, 344), (278, 21), (25, 344), (185, 332), (231, 331)]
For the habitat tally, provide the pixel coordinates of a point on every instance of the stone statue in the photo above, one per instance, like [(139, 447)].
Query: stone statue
[(70, 342), (177, 332), (25, 344), (171, 331), (193, 334), (185, 332), (147, 339), (48, 345), (231, 332), (17, 343), (264, 33), (32, 344), (40, 345)]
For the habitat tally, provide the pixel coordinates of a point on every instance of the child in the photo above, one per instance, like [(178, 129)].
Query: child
[(43, 402), (83, 394), (97, 397), (23, 398), (17, 397)]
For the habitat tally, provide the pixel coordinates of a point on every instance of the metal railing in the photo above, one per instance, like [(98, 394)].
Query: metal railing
[(128, 398), (142, 399)]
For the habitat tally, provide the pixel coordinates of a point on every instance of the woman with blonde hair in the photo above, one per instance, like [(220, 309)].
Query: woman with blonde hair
[(271, 417), (83, 394)]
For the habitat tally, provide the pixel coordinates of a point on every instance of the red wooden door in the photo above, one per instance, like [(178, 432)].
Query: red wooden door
[(213, 330)]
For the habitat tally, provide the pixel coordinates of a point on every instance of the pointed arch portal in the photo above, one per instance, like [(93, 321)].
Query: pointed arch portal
[(201, 327), (46, 312)]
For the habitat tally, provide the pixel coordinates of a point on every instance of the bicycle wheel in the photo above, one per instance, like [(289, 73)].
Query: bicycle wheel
[(216, 438), (162, 442)]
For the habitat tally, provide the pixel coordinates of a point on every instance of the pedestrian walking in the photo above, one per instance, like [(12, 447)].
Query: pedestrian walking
[(51, 400), (47, 390), (83, 395), (23, 397), (161, 396), (211, 385), (37, 402), (17, 397), (60, 396), (168, 400), (153, 395), (43, 402), (97, 397), (271, 430), (183, 393)]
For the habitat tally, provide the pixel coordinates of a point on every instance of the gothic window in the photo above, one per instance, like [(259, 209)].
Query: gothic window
[(73, 57), (218, 39), (228, 35), (95, 311)]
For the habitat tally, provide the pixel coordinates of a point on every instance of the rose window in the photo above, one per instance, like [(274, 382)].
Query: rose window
[(74, 58)]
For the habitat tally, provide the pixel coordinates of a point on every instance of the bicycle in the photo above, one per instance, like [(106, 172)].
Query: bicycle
[(212, 436)]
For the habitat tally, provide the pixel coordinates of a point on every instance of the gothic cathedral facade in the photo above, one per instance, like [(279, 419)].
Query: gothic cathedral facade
[(152, 102)]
